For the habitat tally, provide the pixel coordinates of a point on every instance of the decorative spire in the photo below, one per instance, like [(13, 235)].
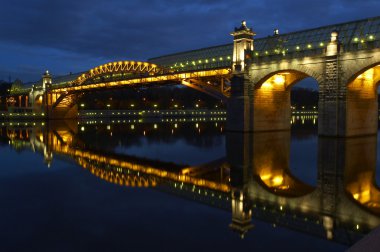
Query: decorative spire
[(244, 28)]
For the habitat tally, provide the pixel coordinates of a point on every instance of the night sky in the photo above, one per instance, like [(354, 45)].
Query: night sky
[(76, 35)]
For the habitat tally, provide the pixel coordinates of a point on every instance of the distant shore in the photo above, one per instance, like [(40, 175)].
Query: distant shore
[(153, 113)]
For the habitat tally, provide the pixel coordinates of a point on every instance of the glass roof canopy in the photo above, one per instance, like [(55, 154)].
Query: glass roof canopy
[(211, 57), (355, 35)]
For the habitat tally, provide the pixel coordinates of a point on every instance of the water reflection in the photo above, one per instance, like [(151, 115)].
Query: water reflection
[(343, 205), (254, 180)]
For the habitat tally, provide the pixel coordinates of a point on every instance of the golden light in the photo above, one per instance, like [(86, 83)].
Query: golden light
[(266, 85), (265, 176), (277, 180), (368, 75), (279, 79)]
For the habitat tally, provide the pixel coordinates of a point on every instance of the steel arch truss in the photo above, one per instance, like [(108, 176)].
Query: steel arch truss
[(120, 67)]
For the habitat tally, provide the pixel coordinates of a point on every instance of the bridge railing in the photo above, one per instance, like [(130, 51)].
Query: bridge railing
[(256, 57), (312, 51), (205, 64), (361, 45)]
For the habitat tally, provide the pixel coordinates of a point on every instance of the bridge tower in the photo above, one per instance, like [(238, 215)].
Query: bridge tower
[(69, 110), (38, 97), (241, 212), (239, 156), (46, 80), (243, 41), (240, 104)]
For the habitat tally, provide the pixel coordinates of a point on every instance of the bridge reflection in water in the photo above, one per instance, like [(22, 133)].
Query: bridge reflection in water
[(254, 180)]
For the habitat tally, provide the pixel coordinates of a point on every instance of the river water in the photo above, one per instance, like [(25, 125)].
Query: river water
[(183, 185)]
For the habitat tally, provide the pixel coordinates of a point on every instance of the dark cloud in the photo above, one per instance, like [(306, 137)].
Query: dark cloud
[(76, 35)]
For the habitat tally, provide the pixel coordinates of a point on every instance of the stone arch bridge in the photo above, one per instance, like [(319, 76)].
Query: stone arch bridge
[(254, 76)]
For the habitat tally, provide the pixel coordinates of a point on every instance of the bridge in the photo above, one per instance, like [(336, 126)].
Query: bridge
[(254, 76), (255, 181)]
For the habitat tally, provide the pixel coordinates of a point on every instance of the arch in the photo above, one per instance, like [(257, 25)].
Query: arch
[(264, 72), (368, 199), (119, 67), (362, 100), (362, 63), (364, 191), (358, 73), (286, 185), (360, 172), (289, 78), (271, 89), (271, 165)]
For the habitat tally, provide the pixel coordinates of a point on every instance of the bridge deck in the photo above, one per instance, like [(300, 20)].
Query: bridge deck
[(170, 77)]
